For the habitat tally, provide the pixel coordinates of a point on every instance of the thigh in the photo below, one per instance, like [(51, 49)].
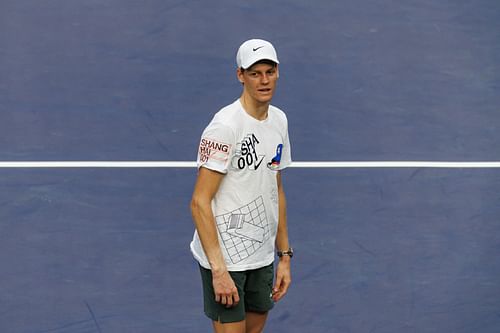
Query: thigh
[(258, 290)]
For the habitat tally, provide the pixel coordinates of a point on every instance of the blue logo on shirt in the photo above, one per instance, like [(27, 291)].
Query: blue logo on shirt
[(275, 162)]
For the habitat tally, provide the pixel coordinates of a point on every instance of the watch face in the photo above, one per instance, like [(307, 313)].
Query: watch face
[(286, 253)]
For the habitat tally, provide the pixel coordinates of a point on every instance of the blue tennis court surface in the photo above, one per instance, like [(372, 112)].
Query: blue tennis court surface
[(377, 250)]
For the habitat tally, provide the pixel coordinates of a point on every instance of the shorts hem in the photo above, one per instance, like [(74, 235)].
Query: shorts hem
[(217, 318), (259, 310)]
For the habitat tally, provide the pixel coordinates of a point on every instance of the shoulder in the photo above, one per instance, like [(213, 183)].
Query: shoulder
[(278, 114), (228, 115), (224, 121)]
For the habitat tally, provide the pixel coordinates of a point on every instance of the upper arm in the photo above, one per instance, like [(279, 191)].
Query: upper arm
[(278, 180), (207, 184)]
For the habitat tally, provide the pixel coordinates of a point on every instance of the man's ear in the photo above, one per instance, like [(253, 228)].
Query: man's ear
[(239, 74)]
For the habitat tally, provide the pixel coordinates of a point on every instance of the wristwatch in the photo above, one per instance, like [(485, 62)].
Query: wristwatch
[(288, 252)]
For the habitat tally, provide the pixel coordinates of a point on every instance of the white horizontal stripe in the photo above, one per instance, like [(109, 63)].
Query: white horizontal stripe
[(396, 164), (299, 164), (98, 164)]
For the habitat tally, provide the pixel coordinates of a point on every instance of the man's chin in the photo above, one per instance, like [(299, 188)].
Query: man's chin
[(265, 99)]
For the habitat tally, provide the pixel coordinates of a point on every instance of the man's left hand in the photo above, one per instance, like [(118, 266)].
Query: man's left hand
[(283, 279)]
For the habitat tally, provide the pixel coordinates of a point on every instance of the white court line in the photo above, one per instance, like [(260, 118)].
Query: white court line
[(298, 164)]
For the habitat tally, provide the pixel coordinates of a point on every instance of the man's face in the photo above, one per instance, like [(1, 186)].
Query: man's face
[(259, 81)]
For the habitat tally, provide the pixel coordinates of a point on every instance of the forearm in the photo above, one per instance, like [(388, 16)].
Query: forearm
[(207, 231), (282, 242)]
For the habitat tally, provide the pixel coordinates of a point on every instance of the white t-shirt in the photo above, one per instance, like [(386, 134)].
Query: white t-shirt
[(249, 152)]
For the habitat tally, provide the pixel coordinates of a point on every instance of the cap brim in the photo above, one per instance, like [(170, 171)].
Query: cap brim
[(251, 62)]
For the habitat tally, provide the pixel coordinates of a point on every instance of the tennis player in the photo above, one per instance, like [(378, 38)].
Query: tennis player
[(238, 203)]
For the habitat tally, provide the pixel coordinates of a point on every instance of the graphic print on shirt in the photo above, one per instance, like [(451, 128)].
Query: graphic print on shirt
[(275, 162), (213, 149), (246, 155), (244, 230)]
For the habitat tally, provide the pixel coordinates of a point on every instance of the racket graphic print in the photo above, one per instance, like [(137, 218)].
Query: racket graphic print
[(244, 230)]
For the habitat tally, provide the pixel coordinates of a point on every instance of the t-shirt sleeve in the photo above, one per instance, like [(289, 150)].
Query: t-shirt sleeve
[(215, 149), (286, 158)]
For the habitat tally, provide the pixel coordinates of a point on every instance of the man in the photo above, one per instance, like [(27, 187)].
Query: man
[(238, 204)]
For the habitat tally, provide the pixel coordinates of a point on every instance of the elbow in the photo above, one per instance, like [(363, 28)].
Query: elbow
[(194, 205), (197, 204)]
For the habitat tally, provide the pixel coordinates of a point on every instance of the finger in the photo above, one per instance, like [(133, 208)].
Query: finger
[(278, 295), (236, 297), (275, 294), (223, 300), (229, 302), (217, 298)]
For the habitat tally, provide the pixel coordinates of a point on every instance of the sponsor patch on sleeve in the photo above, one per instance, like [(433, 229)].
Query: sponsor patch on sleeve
[(211, 149)]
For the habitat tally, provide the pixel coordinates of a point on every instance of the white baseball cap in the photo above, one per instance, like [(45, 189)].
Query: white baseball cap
[(254, 50)]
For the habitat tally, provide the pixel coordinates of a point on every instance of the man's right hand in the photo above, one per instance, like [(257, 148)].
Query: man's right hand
[(225, 290)]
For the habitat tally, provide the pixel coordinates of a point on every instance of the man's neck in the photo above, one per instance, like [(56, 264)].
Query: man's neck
[(253, 108)]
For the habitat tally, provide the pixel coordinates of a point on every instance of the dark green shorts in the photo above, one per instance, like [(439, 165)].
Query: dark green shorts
[(254, 288)]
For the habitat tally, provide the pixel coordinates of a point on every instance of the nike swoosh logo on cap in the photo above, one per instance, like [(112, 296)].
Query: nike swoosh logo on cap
[(256, 48)]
